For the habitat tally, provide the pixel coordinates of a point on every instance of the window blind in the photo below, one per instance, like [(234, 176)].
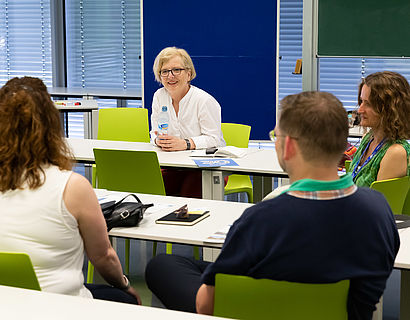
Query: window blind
[(290, 46), (25, 40), (339, 76), (103, 48)]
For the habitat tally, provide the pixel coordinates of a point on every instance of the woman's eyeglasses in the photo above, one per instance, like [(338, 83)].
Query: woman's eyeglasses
[(174, 71)]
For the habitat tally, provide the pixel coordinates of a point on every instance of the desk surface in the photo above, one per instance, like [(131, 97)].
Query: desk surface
[(403, 256), (25, 304), (222, 214), (128, 94), (256, 162)]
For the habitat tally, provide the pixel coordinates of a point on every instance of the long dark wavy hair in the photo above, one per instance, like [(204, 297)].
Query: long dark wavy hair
[(30, 134)]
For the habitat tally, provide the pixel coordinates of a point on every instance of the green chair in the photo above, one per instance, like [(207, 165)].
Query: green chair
[(130, 171), (406, 206), (243, 297), (237, 135), (394, 190), (121, 124), (347, 164), (16, 270)]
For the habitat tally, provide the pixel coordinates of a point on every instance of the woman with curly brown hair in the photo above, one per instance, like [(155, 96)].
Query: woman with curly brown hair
[(46, 210), (384, 107)]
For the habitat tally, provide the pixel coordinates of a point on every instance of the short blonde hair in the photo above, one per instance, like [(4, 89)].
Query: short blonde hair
[(167, 54)]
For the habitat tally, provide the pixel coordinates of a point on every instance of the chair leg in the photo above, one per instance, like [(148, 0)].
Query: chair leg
[(168, 249), (250, 197), (127, 256), (90, 273), (154, 249), (94, 176), (196, 253)]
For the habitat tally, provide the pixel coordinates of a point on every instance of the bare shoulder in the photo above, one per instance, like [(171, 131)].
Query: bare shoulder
[(78, 194), (77, 184), (394, 163), (396, 152)]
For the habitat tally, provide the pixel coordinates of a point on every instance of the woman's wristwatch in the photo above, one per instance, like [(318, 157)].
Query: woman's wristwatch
[(188, 144)]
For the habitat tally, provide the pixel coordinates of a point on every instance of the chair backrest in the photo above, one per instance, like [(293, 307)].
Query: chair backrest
[(394, 190), (406, 206), (123, 124), (347, 164), (127, 170), (236, 135), (16, 270), (243, 297)]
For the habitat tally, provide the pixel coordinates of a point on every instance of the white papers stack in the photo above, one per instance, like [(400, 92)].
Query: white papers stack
[(219, 236)]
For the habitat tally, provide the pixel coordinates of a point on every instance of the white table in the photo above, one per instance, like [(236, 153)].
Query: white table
[(258, 162), (90, 93), (222, 214), (22, 304), (88, 107), (402, 262)]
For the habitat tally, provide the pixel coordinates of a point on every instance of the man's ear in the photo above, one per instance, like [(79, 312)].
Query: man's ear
[(290, 148)]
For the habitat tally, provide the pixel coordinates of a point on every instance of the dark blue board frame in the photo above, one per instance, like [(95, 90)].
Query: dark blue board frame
[(233, 46)]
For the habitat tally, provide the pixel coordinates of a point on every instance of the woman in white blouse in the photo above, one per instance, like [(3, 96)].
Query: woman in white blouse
[(194, 116)]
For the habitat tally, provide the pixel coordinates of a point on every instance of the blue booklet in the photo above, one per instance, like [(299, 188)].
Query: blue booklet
[(208, 163)]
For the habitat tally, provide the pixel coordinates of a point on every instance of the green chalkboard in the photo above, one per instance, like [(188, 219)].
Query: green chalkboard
[(364, 28)]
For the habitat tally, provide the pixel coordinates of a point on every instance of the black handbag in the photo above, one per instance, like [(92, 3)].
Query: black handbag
[(124, 214)]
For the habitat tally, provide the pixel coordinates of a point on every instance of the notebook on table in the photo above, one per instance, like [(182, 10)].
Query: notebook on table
[(193, 218)]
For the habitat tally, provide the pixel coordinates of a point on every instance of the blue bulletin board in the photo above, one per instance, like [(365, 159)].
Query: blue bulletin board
[(233, 46)]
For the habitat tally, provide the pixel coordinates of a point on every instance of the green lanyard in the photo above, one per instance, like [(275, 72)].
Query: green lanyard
[(319, 185)]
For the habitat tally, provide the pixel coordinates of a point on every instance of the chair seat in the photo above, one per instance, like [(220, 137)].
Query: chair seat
[(237, 135), (239, 183)]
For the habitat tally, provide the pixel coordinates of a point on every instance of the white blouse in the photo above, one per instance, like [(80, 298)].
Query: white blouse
[(199, 117)]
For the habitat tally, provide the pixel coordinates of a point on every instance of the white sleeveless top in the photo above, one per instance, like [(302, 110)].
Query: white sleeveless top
[(38, 223)]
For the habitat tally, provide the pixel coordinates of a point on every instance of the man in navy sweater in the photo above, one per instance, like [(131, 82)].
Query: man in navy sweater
[(322, 229)]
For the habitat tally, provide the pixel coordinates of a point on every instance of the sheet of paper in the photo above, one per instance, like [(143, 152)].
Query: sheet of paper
[(219, 236)]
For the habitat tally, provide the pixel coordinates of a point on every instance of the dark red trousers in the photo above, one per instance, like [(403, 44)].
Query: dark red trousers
[(183, 183)]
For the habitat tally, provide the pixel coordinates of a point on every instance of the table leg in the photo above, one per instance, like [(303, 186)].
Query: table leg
[(210, 254), (212, 188), (94, 122), (88, 127), (261, 187), (405, 294), (212, 185)]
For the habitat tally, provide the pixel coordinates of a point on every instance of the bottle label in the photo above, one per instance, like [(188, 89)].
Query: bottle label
[(163, 126)]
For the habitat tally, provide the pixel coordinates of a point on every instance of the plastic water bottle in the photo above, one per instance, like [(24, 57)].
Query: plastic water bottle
[(163, 121)]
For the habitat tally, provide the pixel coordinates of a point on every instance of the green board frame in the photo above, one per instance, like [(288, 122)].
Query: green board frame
[(378, 28)]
